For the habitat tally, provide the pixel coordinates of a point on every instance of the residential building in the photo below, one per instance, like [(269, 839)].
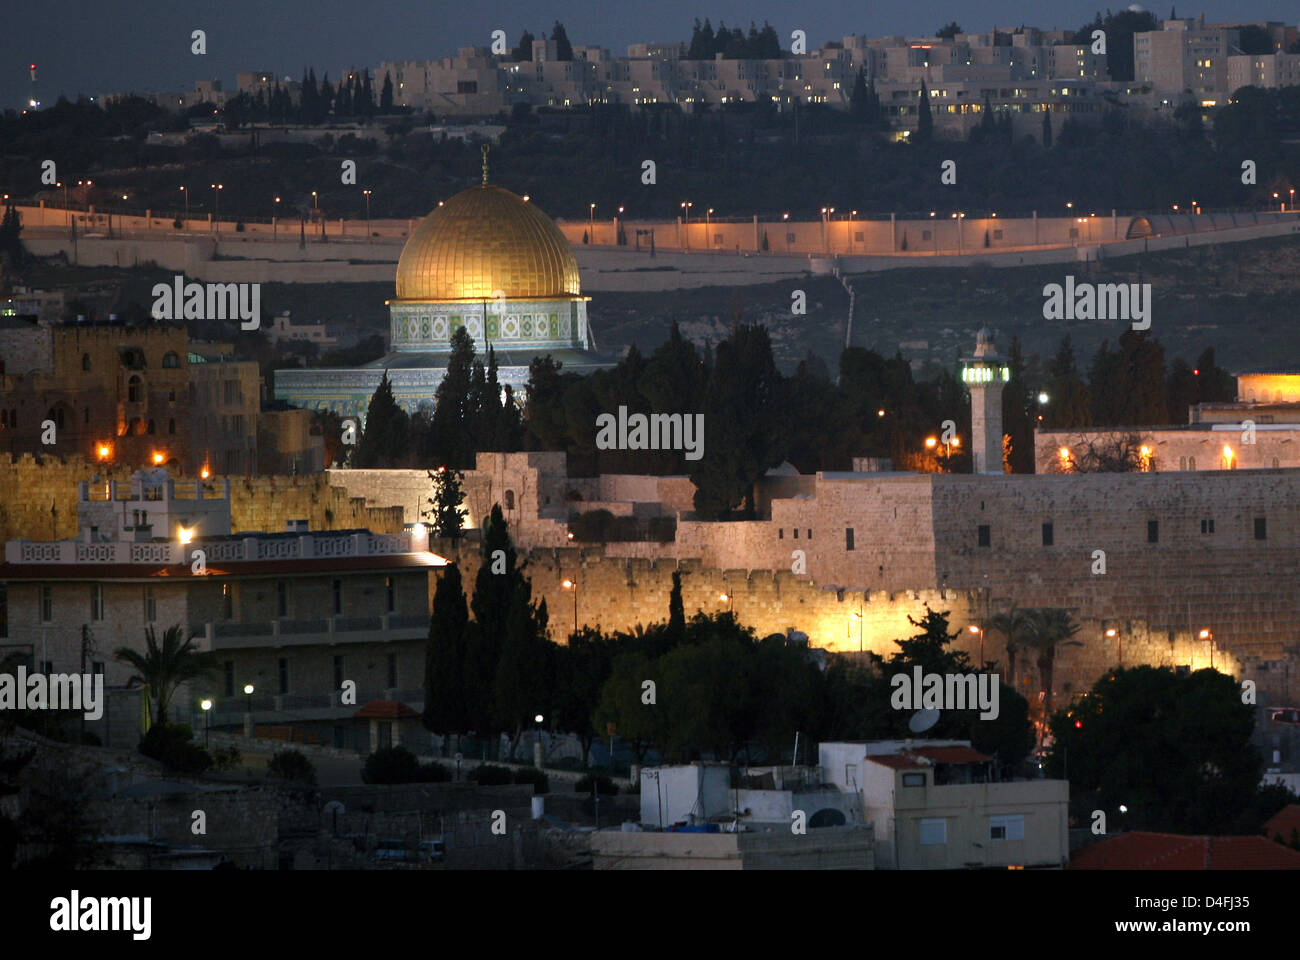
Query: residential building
[(937, 805), (319, 623)]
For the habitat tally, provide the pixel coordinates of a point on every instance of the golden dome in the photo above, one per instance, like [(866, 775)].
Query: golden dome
[(483, 240)]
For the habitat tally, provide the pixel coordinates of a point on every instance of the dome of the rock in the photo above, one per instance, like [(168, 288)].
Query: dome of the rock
[(485, 243)]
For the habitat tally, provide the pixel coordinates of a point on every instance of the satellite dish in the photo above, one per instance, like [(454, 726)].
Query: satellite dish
[(923, 720)]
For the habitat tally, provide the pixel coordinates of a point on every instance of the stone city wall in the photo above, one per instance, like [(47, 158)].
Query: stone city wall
[(40, 501)]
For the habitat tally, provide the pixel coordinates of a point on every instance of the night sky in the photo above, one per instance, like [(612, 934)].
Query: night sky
[(94, 47)]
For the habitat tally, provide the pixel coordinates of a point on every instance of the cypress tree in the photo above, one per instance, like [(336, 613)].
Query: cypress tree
[(924, 122), (563, 49), (386, 94), (445, 707), (445, 512), (386, 438), (451, 422)]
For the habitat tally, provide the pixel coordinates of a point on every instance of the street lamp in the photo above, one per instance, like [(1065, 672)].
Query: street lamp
[(1205, 634), (207, 714), (571, 585), (591, 220), (275, 220), (1112, 632), (976, 628), (366, 193), (216, 207), (248, 704), (186, 194), (729, 600)]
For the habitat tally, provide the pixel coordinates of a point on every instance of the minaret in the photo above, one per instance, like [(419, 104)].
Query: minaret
[(985, 374)]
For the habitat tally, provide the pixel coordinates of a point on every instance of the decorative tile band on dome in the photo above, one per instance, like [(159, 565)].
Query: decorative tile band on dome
[(484, 243)]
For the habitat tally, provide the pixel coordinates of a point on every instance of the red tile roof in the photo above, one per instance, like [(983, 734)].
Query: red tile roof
[(915, 759), (1142, 850), (1283, 822), (385, 710)]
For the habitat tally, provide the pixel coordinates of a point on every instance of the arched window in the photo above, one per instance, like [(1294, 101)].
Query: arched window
[(170, 360), (134, 390), (510, 499), (171, 426), (1275, 463), (1182, 463), (133, 427), (152, 428), (1191, 463), (85, 361)]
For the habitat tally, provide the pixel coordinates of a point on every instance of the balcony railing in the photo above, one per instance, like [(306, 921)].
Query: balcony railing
[(236, 549), (222, 635)]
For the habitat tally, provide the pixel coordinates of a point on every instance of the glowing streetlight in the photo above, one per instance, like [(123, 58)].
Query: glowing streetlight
[(216, 206), (158, 458), (185, 193), (976, 628), (206, 705), (571, 585), (186, 534), (931, 442), (366, 194), (729, 600), (880, 413)]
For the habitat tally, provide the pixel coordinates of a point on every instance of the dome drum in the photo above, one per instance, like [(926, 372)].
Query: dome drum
[(427, 327)]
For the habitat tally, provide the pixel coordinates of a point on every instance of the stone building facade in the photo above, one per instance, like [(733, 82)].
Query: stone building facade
[(295, 613), (120, 389)]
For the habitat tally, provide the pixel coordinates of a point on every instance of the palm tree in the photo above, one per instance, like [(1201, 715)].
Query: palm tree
[(164, 668), (1047, 628), (1011, 624)]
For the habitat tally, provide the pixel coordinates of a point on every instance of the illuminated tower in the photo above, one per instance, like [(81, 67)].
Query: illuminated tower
[(985, 374)]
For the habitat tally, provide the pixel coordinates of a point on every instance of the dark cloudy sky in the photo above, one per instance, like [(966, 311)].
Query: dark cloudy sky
[(108, 46)]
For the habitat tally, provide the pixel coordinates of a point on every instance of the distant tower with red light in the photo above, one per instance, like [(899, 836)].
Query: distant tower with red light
[(33, 101)]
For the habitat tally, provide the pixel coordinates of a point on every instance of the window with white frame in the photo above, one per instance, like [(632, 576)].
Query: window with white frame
[(934, 832), (1008, 827)]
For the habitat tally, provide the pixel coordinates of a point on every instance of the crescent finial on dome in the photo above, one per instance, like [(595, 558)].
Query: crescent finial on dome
[(485, 165)]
